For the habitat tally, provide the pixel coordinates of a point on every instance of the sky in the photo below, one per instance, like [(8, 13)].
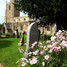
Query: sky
[(2, 11)]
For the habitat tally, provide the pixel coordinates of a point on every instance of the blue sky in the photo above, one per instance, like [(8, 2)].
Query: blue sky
[(2, 11)]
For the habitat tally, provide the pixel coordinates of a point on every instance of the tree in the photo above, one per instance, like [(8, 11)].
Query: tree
[(45, 9)]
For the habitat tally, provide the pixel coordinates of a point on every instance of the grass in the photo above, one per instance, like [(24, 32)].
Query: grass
[(9, 53)]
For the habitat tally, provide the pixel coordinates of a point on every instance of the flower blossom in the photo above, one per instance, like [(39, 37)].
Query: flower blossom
[(33, 44), (24, 59), (41, 46), (33, 60), (42, 52), (53, 45), (58, 33), (64, 43), (55, 49), (36, 52), (46, 57)]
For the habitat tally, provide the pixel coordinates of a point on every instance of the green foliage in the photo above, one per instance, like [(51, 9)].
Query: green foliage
[(47, 11), (44, 43), (48, 37), (58, 59), (41, 37), (38, 8), (25, 38)]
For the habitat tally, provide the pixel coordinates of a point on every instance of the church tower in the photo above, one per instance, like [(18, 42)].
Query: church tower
[(13, 21), (15, 12), (11, 11)]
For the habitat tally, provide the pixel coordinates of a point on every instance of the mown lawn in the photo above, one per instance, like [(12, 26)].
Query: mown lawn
[(9, 53)]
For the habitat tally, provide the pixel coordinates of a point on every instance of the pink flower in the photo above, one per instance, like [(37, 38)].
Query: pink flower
[(42, 52), (24, 59), (33, 60), (58, 33), (64, 43), (54, 44), (41, 46), (55, 49), (46, 57), (34, 44)]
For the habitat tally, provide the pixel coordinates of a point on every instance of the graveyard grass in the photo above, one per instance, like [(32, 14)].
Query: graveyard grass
[(9, 53)]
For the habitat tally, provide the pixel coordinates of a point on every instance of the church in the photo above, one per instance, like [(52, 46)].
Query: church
[(13, 21)]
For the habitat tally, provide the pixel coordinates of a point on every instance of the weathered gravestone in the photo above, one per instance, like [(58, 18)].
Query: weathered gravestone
[(32, 34)]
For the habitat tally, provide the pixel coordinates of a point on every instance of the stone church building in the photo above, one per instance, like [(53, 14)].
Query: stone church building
[(13, 21)]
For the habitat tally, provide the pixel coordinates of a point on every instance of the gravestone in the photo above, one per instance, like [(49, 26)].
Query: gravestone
[(32, 34)]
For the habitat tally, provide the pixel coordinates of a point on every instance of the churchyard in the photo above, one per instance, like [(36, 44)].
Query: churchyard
[(35, 51), (38, 39), (51, 52)]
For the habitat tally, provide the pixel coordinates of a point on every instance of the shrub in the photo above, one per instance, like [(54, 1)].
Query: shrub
[(54, 54)]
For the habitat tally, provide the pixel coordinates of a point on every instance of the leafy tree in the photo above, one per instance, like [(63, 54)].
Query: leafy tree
[(42, 9)]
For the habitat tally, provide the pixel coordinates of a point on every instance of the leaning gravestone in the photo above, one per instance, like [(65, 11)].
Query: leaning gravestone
[(32, 34)]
